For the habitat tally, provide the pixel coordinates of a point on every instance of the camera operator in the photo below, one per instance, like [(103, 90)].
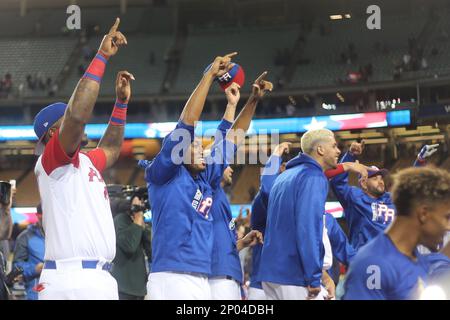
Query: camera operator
[(5, 231), (133, 240), (29, 254)]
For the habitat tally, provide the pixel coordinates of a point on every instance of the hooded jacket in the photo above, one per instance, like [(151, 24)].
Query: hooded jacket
[(293, 249)]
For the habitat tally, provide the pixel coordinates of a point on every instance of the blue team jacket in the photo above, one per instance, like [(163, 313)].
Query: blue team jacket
[(182, 224), (380, 272), (293, 250), (225, 257), (341, 248), (259, 212), (366, 217), (28, 252)]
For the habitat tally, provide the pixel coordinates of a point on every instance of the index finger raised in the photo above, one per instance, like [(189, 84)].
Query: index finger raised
[(115, 26)]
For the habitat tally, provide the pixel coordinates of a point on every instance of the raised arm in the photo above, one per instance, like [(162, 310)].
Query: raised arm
[(339, 183), (112, 139), (194, 106), (425, 152), (163, 167), (242, 122), (218, 159), (272, 168), (83, 99)]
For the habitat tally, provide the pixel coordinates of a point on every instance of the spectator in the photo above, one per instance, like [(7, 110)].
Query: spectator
[(133, 241), (29, 254), (5, 231)]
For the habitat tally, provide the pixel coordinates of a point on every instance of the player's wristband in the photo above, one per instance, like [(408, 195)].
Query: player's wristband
[(334, 172), (422, 161), (96, 69), (119, 114)]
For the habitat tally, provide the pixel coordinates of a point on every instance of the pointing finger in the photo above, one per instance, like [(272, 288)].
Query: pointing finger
[(115, 26)]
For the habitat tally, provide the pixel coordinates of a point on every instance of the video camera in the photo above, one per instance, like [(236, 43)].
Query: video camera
[(121, 196)]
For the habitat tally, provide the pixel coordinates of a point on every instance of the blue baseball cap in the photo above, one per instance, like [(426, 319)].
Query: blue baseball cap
[(375, 171), (44, 120)]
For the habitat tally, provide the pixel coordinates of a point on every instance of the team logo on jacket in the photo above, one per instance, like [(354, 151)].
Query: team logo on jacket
[(232, 224), (201, 205), (381, 213)]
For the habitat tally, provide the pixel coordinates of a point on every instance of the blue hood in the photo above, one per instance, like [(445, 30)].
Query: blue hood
[(300, 159)]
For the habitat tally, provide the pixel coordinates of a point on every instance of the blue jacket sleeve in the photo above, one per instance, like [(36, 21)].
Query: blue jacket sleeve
[(340, 246), (339, 184), (270, 173), (311, 195), (222, 129), (21, 258), (164, 167), (221, 156)]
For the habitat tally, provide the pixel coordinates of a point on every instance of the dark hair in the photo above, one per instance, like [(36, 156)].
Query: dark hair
[(417, 185)]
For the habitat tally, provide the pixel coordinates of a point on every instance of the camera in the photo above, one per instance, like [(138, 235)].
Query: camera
[(5, 192), (121, 196), (10, 277)]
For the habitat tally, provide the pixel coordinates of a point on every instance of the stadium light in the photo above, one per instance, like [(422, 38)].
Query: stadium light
[(336, 17)]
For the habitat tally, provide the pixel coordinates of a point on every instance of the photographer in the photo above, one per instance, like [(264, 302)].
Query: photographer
[(5, 231), (133, 239), (29, 254)]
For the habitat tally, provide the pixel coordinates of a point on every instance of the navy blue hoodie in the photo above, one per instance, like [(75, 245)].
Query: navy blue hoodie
[(366, 217), (182, 226), (293, 250)]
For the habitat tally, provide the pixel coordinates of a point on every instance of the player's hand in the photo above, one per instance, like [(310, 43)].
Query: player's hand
[(261, 86), (282, 148), (38, 268), (221, 65), (312, 292), (113, 40), (329, 285), (138, 218), (357, 148), (357, 168), (427, 151), (123, 85), (252, 238), (233, 94)]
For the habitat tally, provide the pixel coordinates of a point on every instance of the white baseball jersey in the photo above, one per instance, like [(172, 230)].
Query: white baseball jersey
[(77, 216)]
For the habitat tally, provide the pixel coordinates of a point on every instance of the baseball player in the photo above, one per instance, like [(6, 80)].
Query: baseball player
[(293, 252), (181, 194), (369, 209), (335, 235), (226, 272), (78, 224), (389, 267)]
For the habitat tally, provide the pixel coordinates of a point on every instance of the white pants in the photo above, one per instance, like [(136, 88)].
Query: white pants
[(71, 282), (276, 291), (224, 289), (178, 286), (256, 294)]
